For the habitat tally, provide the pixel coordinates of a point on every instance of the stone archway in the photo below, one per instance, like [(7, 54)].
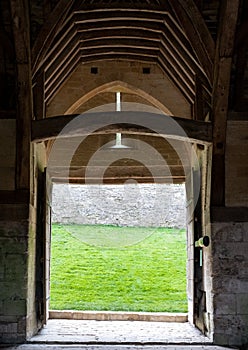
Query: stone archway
[(123, 87)]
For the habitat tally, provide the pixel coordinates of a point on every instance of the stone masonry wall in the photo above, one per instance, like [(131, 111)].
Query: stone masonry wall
[(230, 282), (124, 205), (236, 164), (13, 282), (82, 83)]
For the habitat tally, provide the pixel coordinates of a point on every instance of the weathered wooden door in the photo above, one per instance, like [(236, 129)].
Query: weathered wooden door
[(199, 293), (42, 251)]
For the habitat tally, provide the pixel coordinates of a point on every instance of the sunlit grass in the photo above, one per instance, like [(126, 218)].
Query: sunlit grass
[(147, 276)]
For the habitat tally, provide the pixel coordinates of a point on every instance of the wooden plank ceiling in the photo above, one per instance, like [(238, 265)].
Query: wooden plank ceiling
[(146, 31)]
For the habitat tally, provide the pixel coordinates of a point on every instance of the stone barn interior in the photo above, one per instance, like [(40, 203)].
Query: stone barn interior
[(181, 67)]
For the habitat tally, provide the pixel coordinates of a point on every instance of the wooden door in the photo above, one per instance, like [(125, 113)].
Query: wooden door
[(199, 293), (42, 251)]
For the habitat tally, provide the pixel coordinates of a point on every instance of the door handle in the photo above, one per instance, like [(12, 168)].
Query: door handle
[(202, 242)]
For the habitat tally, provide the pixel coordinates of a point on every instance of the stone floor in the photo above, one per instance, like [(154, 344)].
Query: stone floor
[(117, 335), (114, 332)]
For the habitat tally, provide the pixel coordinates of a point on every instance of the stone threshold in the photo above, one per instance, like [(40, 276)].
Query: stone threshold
[(118, 316)]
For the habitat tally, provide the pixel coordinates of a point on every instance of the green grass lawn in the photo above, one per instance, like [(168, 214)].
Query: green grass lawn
[(88, 274)]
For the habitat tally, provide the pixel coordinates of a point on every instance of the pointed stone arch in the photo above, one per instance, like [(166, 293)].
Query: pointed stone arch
[(119, 86)]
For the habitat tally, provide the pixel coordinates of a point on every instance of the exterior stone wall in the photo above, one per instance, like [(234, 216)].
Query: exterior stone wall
[(125, 205)]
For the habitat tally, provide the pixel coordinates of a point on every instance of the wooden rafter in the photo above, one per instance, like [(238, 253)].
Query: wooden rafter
[(197, 32), (171, 66), (222, 74), (45, 38), (74, 61), (64, 36), (80, 38), (148, 4)]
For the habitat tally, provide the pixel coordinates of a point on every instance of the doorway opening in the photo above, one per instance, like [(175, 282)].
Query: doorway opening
[(118, 168), (119, 248)]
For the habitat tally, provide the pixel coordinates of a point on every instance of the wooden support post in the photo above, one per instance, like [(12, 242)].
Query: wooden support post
[(20, 24), (241, 48), (199, 101), (2, 75), (223, 62), (38, 93)]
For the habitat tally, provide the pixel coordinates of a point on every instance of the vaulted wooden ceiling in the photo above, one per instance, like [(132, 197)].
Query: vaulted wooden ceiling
[(147, 31), (200, 44), (169, 34)]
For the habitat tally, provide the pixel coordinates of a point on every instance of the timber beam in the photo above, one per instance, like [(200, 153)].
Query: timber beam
[(142, 123), (118, 171), (119, 180)]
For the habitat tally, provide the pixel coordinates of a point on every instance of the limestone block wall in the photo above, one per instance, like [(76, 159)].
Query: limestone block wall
[(237, 164), (125, 205), (230, 282), (13, 272), (82, 86)]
